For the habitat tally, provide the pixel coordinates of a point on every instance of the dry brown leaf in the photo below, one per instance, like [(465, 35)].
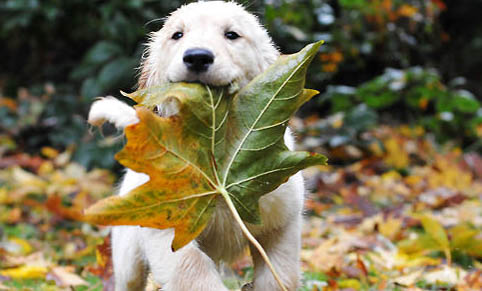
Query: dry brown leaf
[(328, 255), (445, 274), (65, 276), (410, 279)]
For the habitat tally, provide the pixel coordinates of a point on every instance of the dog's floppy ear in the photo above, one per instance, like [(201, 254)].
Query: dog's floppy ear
[(150, 71), (143, 76), (145, 66)]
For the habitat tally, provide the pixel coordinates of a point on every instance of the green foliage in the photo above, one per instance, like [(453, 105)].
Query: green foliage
[(417, 96), (360, 35), (95, 45), (87, 49), (363, 38), (48, 117)]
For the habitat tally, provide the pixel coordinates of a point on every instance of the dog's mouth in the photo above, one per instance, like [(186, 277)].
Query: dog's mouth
[(233, 85), (171, 106)]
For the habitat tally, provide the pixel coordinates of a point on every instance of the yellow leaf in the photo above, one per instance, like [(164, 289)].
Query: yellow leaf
[(448, 175), (413, 180), (3, 195), (349, 283), (417, 260), (405, 130), (436, 231), (25, 272), (24, 246), (392, 176), (390, 228), (46, 168), (396, 155), (101, 260), (420, 244), (49, 152), (407, 10), (466, 239)]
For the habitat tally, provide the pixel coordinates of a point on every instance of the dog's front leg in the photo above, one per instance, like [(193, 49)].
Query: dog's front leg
[(130, 266), (186, 269), (283, 249), (281, 213), (112, 110)]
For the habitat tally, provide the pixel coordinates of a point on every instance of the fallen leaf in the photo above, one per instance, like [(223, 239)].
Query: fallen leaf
[(446, 274), (329, 254), (466, 239), (435, 230), (349, 284), (25, 272), (396, 156), (410, 279), (390, 227), (54, 204), (104, 261), (17, 246), (65, 276)]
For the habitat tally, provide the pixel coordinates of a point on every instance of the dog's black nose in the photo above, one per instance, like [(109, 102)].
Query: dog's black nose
[(198, 60)]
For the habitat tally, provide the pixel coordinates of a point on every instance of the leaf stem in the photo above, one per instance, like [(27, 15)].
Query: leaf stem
[(250, 237)]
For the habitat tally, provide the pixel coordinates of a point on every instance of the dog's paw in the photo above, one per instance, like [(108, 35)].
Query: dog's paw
[(112, 110), (248, 287)]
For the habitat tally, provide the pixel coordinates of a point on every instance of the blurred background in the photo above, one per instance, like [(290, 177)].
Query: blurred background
[(399, 117)]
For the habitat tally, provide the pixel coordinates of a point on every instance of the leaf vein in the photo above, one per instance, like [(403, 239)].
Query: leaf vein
[(154, 136), (259, 175), (271, 125), (226, 174)]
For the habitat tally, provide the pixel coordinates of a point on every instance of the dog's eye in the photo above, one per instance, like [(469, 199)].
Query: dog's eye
[(231, 35), (177, 35)]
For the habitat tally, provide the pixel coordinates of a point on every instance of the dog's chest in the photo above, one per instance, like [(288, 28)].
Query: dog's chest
[(222, 240)]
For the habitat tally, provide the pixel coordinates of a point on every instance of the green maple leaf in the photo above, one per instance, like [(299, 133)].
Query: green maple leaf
[(216, 146)]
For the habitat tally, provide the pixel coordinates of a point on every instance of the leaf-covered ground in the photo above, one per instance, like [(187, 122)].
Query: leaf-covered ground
[(395, 212)]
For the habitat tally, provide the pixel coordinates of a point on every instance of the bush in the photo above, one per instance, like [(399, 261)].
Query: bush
[(90, 44), (416, 96), (47, 117), (85, 49)]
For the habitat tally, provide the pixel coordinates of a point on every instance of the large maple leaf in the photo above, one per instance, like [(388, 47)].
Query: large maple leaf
[(216, 146)]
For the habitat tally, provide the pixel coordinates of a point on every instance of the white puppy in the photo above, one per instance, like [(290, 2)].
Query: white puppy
[(216, 43)]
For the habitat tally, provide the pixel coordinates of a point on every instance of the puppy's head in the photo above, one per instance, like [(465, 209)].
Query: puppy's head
[(216, 43)]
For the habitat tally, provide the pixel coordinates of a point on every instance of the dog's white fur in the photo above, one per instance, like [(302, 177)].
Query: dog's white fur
[(137, 250)]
